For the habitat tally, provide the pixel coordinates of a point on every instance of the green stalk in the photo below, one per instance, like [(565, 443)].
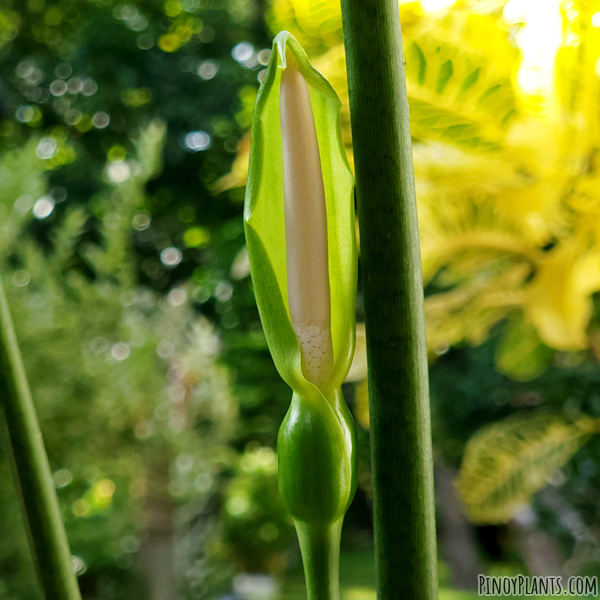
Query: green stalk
[(47, 537), (320, 547), (402, 465)]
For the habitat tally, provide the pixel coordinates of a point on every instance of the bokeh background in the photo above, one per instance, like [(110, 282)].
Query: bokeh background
[(123, 155)]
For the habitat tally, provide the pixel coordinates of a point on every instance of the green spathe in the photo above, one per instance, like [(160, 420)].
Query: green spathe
[(265, 220), (317, 440)]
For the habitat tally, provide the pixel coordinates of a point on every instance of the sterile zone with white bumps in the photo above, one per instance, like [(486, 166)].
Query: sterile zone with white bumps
[(317, 359)]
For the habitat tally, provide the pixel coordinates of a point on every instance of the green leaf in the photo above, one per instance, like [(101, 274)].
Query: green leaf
[(520, 354), (264, 219), (508, 461), (454, 96)]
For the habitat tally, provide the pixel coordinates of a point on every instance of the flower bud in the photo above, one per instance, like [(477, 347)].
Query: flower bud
[(300, 234)]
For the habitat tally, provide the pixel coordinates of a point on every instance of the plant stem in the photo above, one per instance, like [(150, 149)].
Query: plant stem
[(47, 537), (402, 465), (320, 547)]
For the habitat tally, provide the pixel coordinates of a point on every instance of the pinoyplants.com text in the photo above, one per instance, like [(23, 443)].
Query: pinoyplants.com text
[(521, 585)]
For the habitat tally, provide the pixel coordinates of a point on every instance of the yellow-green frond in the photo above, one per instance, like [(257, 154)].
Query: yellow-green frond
[(456, 96), (469, 311), (505, 463), (521, 354)]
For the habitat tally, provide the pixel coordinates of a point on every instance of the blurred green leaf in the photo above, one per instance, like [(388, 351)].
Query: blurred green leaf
[(508, 461), (520, 354)]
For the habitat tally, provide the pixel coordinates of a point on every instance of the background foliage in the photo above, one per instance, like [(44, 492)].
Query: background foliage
[(123, 149)]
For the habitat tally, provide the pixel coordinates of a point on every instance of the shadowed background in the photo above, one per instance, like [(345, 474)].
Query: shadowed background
[(123, 155)]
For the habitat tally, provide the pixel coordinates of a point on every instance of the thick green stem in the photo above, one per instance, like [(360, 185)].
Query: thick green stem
[(45, 529), (320, 547), (402, 466)]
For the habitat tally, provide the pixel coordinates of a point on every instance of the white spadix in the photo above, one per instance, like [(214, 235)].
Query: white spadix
[(305, 228)]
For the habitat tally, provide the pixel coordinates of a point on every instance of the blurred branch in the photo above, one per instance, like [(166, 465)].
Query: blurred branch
[(46, 532)]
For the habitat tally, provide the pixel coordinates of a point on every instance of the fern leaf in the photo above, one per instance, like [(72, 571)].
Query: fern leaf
[(22, 182), (508, 461)]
